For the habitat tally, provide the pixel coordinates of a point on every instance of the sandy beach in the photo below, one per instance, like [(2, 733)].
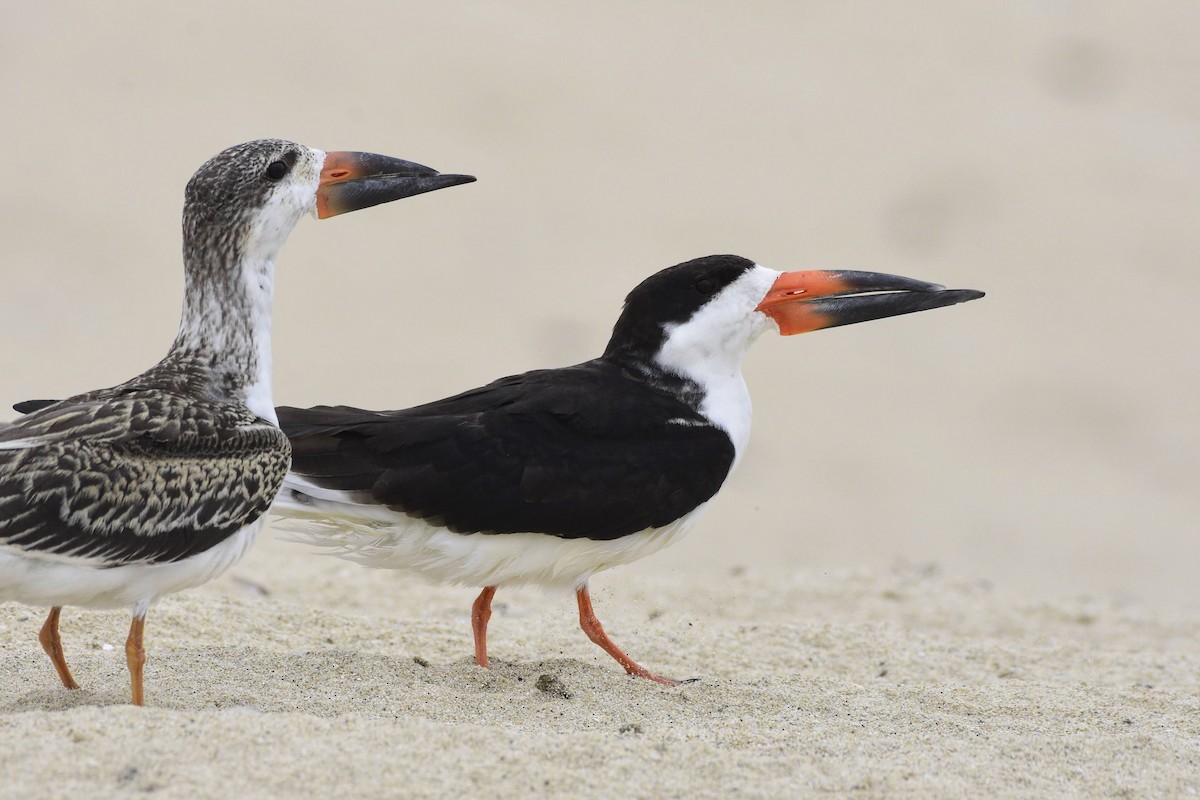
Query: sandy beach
[(301, 676), (959, 557)]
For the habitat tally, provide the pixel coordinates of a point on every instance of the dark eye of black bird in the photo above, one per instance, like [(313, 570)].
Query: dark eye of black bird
[(705, 286), (277, 170)]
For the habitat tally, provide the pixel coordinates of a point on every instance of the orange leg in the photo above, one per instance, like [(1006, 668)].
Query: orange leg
[(135, 656), (52, 644), (481, 612), (595, 631)]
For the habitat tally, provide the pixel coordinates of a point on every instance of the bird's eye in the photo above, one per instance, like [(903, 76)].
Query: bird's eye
[(277, 170), (705, 286)]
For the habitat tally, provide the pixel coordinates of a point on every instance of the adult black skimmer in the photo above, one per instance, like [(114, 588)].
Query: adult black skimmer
[(119, 496), (551, 476)]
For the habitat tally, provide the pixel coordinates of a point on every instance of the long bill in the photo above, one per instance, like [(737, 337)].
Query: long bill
[(351, 181), (809, 300)]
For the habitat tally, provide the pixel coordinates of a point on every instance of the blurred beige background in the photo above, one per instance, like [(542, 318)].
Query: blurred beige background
[(1046, 438)]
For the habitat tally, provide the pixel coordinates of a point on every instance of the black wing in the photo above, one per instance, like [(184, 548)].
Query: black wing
[(142, 477), (590, 451)]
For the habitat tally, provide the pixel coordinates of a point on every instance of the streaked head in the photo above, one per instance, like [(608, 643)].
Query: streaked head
[(253, 194)]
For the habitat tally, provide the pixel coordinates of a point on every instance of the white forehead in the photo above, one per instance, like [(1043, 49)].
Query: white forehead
[(313, 159), (746, 292)]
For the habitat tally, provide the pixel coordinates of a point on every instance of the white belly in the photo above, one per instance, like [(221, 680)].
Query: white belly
[(379, 537), (57, 581)]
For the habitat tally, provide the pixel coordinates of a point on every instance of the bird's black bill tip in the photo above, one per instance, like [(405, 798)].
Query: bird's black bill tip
[(852, 309), (351, 181), (811, 300)]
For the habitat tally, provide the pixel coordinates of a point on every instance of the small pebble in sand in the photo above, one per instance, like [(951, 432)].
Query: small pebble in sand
[(552, 685)]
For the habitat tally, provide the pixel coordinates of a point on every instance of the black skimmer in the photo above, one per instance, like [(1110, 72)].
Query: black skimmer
[(118, 496), (551, 476)]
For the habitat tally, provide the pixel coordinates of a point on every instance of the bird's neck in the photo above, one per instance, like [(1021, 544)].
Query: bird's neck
[(714, 389), (714, 366), (225, 331), (723, 399)]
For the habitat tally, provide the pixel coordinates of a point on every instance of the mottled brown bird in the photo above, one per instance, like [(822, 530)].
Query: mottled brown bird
[(119, 496)]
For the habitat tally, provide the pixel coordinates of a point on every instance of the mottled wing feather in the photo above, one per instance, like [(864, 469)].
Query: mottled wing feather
[(585, 452), (141, 477)]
